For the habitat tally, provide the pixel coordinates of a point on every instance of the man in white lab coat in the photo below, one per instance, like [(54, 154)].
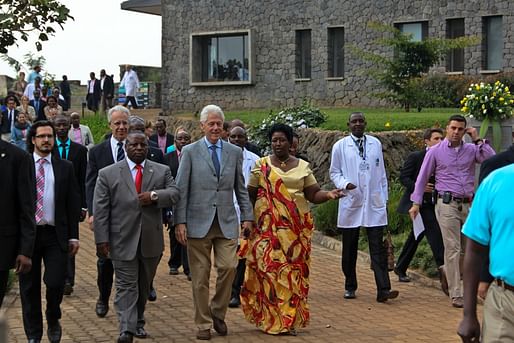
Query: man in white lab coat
[(131, 83), (358, 167)]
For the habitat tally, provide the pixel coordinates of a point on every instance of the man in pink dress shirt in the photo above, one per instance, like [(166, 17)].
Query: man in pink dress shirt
[(453, 163)]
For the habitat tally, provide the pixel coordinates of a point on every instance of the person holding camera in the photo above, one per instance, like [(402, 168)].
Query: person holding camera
[(453, 163)]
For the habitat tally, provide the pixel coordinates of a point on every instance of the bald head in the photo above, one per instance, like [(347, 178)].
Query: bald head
[(238, 136)]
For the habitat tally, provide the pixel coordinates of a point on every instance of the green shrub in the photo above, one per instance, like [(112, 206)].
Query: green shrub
[(301, 117), (325, 218), (98, 124)]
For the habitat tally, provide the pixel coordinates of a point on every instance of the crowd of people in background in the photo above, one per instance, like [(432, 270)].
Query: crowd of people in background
[(217, 194)]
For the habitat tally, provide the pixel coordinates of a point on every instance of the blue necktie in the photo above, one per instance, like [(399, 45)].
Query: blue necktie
[(120, 154), (215, 160)]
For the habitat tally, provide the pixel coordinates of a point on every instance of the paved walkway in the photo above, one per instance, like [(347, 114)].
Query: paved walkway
[(420, 314)]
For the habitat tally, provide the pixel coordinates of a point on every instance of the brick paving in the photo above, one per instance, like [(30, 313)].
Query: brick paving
[(420, 314)]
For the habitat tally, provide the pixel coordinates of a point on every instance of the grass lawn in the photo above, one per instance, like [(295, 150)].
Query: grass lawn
[(377, 118)]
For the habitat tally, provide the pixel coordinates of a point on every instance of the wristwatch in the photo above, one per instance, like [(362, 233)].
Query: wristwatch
[(154, 196)]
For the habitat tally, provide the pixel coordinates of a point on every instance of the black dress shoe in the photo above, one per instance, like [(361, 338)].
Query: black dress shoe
[(141, 333), (54, 332), (125, 337), (402, 277), (349, 294), (173, 271), (152, 296), (219, 326), (34, 340), (189, 277), (101, 308), (234, 302), (68, 289), (383, 297)]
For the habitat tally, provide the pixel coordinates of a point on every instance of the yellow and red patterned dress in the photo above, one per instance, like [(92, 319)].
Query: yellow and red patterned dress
[(276, 285)]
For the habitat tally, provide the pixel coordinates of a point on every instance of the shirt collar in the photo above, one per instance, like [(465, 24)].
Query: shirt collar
[(37, 157), (219, 143), (449, 144), (132, 164), (66, 142)]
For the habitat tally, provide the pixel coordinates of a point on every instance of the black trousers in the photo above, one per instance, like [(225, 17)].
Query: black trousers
[(239, 278), (104, 279), (376, 251), (132, 100), (434, 238), (48, 251), (178, 254), (70, 271), (92, 103), (4, 279)]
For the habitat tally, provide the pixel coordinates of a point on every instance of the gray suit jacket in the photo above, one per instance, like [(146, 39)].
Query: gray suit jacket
[(203, 195), (119, 218)]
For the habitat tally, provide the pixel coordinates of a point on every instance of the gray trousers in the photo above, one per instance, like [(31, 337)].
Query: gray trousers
[(132, 285)]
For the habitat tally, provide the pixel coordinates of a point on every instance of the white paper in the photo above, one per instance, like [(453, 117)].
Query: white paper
[(418, 225)]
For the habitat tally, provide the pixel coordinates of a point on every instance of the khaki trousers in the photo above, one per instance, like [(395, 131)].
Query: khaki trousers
[(450, 220), (225, 261), (498, 322)]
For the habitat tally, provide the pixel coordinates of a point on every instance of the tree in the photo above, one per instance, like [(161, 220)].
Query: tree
[(19, 18), (401, 73)]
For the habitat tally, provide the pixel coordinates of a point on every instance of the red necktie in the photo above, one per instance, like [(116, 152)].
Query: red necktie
[(139, 178)]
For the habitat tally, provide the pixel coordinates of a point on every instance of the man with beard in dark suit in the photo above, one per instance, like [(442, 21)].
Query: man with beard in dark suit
[(57, 233), (408, 175), (17, 227), (66, 149)]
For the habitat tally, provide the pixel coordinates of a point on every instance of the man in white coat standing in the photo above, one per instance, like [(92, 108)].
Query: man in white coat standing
[(358, 168), (131, 83)]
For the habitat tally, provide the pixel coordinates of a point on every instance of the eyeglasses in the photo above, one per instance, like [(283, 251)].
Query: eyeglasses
[(44, 136), (120, 123)]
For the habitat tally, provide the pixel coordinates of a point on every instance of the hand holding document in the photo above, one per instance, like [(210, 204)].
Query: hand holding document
[(418, 225)]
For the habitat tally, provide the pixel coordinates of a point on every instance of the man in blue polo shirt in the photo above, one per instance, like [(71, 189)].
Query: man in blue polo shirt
[(490, 224)]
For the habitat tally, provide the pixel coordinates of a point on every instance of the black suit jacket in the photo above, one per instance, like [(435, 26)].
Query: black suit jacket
[(155, 154), (17, 223), (67, 201), (171, 160), (40, 113), (170, 140), (97, 91), (5, 123), (100, 156), (77, 154), (108, 90), (408, 176)]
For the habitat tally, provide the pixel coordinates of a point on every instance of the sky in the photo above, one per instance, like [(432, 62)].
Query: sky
[(102, 36)]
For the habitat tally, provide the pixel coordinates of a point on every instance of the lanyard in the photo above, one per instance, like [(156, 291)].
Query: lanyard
[(363, 153)]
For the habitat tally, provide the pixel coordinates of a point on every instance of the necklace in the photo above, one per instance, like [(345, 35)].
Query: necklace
[(284, 162)]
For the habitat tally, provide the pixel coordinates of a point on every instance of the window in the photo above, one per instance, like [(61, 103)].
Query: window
[(303, 54), (335, 52), (493, 43), (455, 58), (221, 58), (418, 30)]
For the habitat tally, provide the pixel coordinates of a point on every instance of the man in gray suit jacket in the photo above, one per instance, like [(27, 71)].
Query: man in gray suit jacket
[(209, 174), (128, 202)]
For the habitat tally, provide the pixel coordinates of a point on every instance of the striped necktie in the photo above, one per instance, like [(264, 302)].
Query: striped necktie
[(40, 189), (120, 154)]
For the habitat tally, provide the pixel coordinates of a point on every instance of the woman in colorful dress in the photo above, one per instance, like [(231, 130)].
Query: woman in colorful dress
[(275, 290)]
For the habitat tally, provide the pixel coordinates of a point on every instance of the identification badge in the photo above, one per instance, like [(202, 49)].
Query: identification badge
[(363, 166)]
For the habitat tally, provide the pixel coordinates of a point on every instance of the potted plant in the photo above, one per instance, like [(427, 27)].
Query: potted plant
[(491, 105)]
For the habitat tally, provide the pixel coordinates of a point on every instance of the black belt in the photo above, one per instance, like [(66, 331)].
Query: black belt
[(504, 285), (45, 226), (458, 199)]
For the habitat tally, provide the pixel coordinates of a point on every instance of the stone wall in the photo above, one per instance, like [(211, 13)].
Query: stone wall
[(317, 144), (273, 23)]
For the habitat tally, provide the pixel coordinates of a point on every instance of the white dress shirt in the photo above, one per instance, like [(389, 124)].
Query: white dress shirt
[(132, 166)]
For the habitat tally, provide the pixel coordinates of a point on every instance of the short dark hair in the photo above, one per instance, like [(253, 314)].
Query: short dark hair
[(457, 117), (160, 120), (428, 132), (33, 130), (226, 125), (52, 97), (279, 127)]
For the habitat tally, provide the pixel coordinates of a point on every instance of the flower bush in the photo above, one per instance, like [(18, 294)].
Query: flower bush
[(301, 117), (492, 102)]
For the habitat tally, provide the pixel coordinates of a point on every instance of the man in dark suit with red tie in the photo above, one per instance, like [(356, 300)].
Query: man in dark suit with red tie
[(17, 226), (110, 151), (57, 216), (66, 149)]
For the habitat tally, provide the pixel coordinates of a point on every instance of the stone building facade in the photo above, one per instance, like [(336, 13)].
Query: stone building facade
[(290, 49)]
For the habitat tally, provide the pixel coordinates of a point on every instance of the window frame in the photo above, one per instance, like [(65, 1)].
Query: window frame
[(330, 52), (424, 27), (450, 57), (196, 56), (300, 59), (485, 50)]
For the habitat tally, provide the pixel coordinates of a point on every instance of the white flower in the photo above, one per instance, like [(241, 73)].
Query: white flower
[(471, 116), (484, 111), (303, 126)]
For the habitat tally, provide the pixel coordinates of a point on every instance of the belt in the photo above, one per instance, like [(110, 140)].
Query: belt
[(458, 199), (504, 285), (46, 226)]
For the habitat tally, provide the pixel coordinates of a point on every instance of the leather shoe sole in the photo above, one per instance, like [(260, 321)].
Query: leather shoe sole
[(402, 277), (219, 326), (458, 302), (234, 302), (141, 333), (101, 309), (204, 335), (387, 296), (54, 332), (34, 340), (349, 294)]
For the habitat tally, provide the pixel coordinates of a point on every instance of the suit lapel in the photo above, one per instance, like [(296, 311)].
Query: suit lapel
[(224, 157), (56, 166), (206, 153), (147, 176), (126, 175)]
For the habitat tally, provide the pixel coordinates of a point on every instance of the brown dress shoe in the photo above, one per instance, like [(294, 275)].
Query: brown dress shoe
[(458, 302), (204, 335), (220, 326)]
